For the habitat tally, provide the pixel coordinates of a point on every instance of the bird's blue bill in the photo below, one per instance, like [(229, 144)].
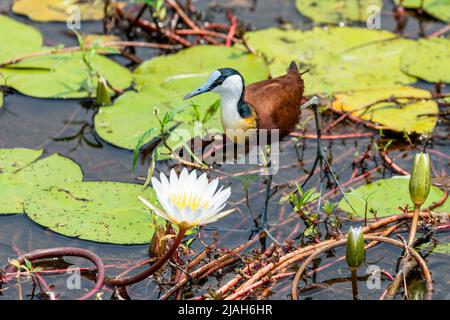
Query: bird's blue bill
[(204, 88)]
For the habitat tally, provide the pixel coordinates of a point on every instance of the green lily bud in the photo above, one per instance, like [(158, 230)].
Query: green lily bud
[(102, 98), (355, 248), (420, 181)]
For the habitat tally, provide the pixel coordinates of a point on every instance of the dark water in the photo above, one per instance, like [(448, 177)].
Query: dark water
[(66, 127)]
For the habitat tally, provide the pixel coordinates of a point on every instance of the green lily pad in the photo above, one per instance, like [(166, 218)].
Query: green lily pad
[(389, 114), (385, 196), (339, 59), (428, 60), (440, 9), (21, 174), (17, 39), (335, 11), (59, 10), (162, 82), (442, 248), (98, 211), (63, 75)]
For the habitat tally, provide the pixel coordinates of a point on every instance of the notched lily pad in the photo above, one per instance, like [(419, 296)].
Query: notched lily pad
[(59, 10), (406, 115), (335, 11), (339, 59), (64, 75), (98, 211), (428, 60), (21, 174), (384, 197)]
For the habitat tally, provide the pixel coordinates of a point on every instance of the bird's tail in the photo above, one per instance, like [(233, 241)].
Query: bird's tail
[(293, 66)]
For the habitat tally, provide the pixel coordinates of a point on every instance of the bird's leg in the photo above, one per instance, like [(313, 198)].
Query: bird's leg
[(320, 155)]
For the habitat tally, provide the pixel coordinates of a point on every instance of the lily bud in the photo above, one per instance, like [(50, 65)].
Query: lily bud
[(420, 181), (102, 98), (355, 248)]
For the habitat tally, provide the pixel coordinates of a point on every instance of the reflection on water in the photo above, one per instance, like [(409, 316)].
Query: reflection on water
[(66, 127)]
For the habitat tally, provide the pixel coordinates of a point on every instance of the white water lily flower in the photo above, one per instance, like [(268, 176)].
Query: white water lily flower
[(189, 201)]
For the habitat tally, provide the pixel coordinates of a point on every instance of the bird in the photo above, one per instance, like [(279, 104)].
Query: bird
[(269, 104)]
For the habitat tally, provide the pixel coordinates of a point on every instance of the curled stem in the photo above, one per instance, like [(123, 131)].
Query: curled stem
[(121, 282)]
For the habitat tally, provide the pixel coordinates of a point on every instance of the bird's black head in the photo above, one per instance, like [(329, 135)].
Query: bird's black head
[(216, 80)]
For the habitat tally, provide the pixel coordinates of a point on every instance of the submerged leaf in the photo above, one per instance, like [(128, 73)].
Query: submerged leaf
[(335, 11), (428, 60), (21, 174), (59, 10), (97, 211), (409, 116), (384, 197)]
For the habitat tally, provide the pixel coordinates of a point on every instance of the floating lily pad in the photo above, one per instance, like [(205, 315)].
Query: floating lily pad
[(162, 83), (98, 211), (339, 59), (335, 11), (440, 9), (428, 60), (385, 196), (17, 39), (63, 75), (442, 248), (21, 174), (408, 117), (59, 10)]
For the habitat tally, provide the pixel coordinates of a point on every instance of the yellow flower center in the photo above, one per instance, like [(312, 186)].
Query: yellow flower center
[(182, 200)]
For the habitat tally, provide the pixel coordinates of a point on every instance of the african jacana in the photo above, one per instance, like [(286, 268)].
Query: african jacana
[(269, 104)]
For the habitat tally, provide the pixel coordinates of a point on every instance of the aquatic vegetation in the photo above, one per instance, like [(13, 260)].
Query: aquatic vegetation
[(100, 211), (436, 8), (142, 218), (188, 201), (336, 11), (383, 197), (397, 114), (24, 171), (428, 60), (58, 10)]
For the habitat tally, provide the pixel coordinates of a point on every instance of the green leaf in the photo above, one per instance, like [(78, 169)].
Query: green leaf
[(428, 60), (21, 174), (439, 9), (395, 117), (162, 82), (339, 59), (59, 10), (98, 211), (63, 75), (335, 11), (17, 39), (384, 197)]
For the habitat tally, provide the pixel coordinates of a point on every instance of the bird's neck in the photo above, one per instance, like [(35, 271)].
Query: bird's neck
[(232, 99)]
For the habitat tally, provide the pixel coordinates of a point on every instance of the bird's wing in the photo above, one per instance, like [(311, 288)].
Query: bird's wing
[(277, 101)]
